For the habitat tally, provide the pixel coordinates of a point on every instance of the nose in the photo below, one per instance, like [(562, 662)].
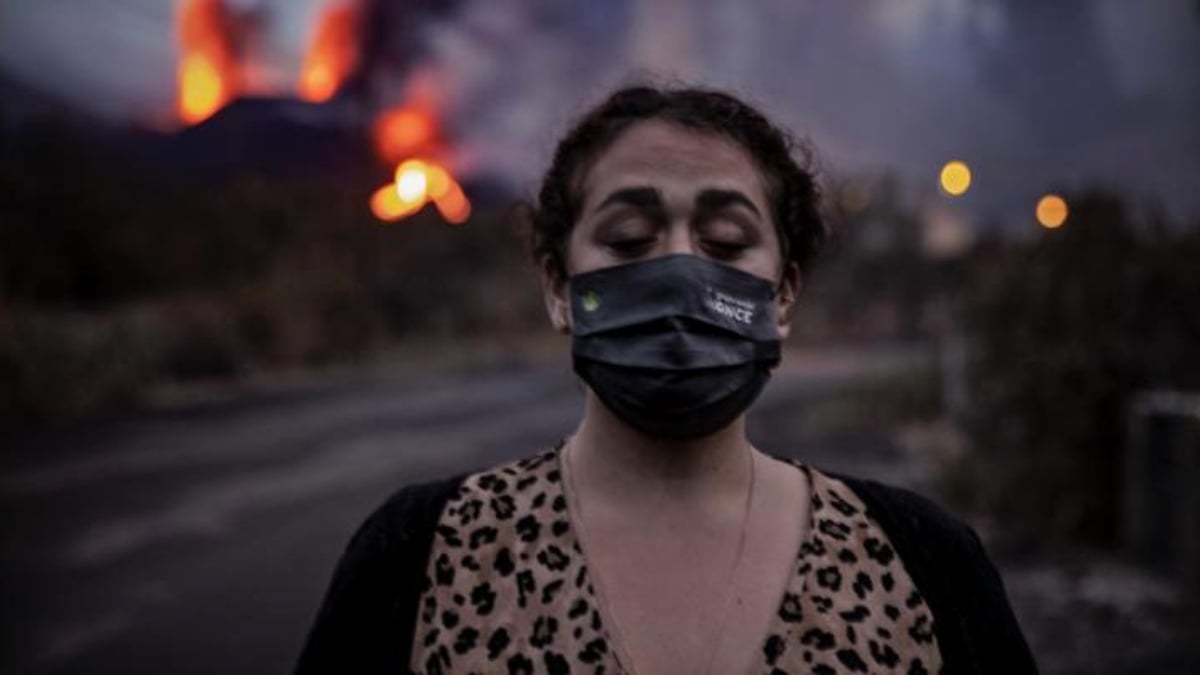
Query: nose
[(679, 239)]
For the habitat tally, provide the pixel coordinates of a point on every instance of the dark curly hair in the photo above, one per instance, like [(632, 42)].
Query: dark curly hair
[(791, 188)]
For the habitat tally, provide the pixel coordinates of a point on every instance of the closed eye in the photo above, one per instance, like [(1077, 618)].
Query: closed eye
[(630, 245), (723, 248)]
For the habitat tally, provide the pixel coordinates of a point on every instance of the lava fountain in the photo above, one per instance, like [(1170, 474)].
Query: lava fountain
[(332, 53), (208, 71)]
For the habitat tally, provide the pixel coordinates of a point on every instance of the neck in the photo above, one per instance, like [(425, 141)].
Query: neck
[(621, 463)]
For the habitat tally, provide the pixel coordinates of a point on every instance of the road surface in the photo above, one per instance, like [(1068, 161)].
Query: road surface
[(201, 539)]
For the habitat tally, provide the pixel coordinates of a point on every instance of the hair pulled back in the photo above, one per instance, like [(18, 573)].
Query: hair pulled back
[(791, 187)]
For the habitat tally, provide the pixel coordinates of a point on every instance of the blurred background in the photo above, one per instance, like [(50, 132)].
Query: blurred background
[(260, 265)]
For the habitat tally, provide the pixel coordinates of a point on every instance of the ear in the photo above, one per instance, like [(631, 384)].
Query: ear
[(785, 299), (555, 295)]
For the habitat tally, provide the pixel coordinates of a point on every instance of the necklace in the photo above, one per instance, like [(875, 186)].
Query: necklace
[(620, 644)]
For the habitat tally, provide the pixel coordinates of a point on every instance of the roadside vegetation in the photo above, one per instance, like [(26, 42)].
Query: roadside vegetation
[(117, 277)]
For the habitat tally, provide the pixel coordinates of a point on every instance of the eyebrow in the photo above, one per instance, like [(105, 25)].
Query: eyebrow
[(711, 199), (714, 200), (643, 197)]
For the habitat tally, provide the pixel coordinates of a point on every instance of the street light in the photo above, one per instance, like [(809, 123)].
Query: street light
[(1051, 211), (955, 178)]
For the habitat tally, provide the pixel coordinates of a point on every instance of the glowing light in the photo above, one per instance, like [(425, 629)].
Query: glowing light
[(318, 83), (439, 181), (332, 52), (208, 71), (404, 132), (955, 178), (387, 205), (202, 90), (412, 182), (453, 204), (1052, 211), (417, 183)]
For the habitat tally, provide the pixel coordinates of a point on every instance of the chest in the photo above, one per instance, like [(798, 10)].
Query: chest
[(510, 590), (680, 600)]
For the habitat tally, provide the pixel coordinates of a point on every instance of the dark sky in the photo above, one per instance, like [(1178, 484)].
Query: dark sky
[(1034, 94)]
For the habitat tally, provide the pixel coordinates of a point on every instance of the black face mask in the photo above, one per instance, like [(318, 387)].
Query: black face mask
[(676, 346)]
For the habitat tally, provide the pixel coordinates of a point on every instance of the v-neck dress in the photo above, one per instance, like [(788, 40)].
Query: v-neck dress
[(507, 588)]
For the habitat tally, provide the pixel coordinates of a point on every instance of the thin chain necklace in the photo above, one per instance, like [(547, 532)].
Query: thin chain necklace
[(621, 646)]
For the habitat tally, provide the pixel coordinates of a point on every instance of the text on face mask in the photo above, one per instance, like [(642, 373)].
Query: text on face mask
[(735, 308)]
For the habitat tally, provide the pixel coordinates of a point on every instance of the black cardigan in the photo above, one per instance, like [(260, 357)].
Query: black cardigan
[(366, 622)]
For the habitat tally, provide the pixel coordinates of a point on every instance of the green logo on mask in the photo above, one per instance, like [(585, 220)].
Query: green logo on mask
[(590, 301)]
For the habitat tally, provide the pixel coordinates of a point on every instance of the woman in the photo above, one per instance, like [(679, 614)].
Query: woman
[(673, 232)]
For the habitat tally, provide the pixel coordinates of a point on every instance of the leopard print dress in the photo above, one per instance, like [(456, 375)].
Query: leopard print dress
[(507, 588)]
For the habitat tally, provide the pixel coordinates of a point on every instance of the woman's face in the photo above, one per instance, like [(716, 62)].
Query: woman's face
[(661, 189)]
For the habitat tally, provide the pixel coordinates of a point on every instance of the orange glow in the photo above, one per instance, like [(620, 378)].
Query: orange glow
[(412, 181), (332, 53), (1051, 211), (417, 183), (404, 132), (438, 181), (387, 205), (453, 204), (203, 91), (409, 134), (208, 69)]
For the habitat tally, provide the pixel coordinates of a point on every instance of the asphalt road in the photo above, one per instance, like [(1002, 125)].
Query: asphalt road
[(200, 540)]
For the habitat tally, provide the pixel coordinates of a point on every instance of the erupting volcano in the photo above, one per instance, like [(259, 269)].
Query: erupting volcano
[(410, 136), (208, 68), (407, 136), (333, 52)]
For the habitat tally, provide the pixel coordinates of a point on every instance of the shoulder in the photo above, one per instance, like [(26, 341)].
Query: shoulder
[(928, 538), (908, 515), (373, 595), (406, 516), (977, 630), (410, 515)]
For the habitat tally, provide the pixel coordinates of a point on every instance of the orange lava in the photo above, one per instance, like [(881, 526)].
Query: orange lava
[(387, 205), (409, 136), (404, 132), (453, 204), (208, 75), (417, 182), (332, 53)]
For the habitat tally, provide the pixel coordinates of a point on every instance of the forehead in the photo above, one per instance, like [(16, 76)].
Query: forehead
[(660, 154)]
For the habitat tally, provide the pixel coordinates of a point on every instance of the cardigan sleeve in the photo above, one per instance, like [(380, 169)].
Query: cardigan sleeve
[(977, 631), (366, 621)]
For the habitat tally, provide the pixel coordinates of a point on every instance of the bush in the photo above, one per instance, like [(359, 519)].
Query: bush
[(1062, 331), (229, 273), (65, 363)]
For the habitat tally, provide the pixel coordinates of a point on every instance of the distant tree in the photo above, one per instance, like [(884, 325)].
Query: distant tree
[(116, 274), (1062, 331), (875, 261)]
